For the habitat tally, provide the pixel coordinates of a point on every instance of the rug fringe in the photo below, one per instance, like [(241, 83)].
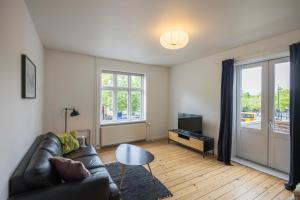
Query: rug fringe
[(167, 196)]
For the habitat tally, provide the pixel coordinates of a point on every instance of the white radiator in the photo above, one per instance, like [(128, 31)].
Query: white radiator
[(121, 133)]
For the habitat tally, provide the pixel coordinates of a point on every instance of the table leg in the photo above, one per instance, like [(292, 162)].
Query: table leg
[(153, 179), (122, 176), (151, 173)]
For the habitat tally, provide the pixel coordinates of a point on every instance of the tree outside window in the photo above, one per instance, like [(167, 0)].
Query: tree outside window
[(122, 97)]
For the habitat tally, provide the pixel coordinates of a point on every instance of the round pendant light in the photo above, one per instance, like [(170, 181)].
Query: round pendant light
[(174, 39)]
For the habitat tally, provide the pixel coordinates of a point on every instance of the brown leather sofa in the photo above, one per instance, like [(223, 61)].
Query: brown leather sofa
[(36, 179)]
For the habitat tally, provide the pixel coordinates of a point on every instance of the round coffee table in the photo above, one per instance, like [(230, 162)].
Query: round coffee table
[(131, 155)]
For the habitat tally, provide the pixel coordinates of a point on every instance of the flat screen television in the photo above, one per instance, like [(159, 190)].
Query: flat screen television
[(190, 122)]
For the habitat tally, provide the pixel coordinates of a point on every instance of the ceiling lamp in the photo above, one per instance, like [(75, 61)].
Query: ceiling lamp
[(174, 39)]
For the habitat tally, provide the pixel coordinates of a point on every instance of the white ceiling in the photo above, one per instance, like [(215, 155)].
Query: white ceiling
[(130, 29)]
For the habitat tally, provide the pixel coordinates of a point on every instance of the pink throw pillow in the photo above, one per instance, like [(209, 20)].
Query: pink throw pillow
[(70, 170)]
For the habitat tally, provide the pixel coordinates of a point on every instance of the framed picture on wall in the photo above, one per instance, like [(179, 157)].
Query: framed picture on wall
[(28, 78)]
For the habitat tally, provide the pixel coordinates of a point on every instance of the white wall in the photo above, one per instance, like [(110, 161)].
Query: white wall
[(70, 80), (195, 87), (20, 119)]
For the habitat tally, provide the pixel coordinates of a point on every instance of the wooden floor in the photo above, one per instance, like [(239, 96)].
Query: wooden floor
[(188, 176)]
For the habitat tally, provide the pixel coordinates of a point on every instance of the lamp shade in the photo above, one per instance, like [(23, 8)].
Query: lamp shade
[(174, 39), (74, 113)]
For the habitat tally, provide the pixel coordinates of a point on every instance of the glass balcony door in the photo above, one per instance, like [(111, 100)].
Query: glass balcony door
[(263, 113), (252, 112), (279, 114)]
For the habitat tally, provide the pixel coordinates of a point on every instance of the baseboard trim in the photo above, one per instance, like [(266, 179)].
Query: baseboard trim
[(160, 137), (116, 144)]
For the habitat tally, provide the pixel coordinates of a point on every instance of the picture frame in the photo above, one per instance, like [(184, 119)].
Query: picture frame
[(28, 78)]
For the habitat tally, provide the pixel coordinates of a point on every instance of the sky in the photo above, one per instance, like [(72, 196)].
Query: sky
[(282, 75), (252, 78)]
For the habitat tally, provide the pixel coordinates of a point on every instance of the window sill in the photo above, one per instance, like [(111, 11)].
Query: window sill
[(122, 123)]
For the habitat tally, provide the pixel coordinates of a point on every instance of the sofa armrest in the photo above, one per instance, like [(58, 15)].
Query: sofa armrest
[(92, 188)]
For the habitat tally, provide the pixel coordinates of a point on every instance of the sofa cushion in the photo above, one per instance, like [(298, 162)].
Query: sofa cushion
[(39, 172), (114, 190), (52, 136), (90, 162), (17, 183), (70, 170), (51, 144), (81, 152)]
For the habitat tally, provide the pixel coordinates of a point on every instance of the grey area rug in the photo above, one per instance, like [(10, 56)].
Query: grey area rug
[(137, 183)]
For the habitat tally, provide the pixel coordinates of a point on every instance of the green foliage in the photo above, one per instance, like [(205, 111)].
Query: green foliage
[(136, 101), (252, 103), (122, 101), (107, 79), (122, 98), (136, 81), (106, 99), (122, 80), (284, 99)]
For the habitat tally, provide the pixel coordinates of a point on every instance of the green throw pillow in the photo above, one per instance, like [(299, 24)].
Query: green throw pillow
[(69, 141)]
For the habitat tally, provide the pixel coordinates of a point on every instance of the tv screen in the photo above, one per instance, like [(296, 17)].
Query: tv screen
[(190, 122)]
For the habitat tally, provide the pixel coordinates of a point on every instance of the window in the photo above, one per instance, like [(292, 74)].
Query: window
[(250, 100), (122, 97), (281, 97)]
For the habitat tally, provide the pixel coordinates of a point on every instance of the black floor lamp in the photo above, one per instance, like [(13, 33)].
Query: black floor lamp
[(74, 113)]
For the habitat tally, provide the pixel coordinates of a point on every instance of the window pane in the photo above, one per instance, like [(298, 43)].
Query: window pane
[(251, 97), (136, 99), (136, 81), (122, 100), (107, 80), (122, 80), (282, 98), (107, 104)]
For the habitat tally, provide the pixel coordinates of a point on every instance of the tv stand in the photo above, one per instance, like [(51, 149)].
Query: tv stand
[(193, 140)]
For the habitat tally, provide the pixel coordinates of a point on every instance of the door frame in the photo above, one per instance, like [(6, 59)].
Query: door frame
[(244, 61)]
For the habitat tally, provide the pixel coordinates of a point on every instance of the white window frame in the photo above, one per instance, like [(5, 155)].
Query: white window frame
[(115, 89)]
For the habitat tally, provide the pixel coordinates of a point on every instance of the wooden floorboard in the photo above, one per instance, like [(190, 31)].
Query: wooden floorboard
[(189, 176)]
